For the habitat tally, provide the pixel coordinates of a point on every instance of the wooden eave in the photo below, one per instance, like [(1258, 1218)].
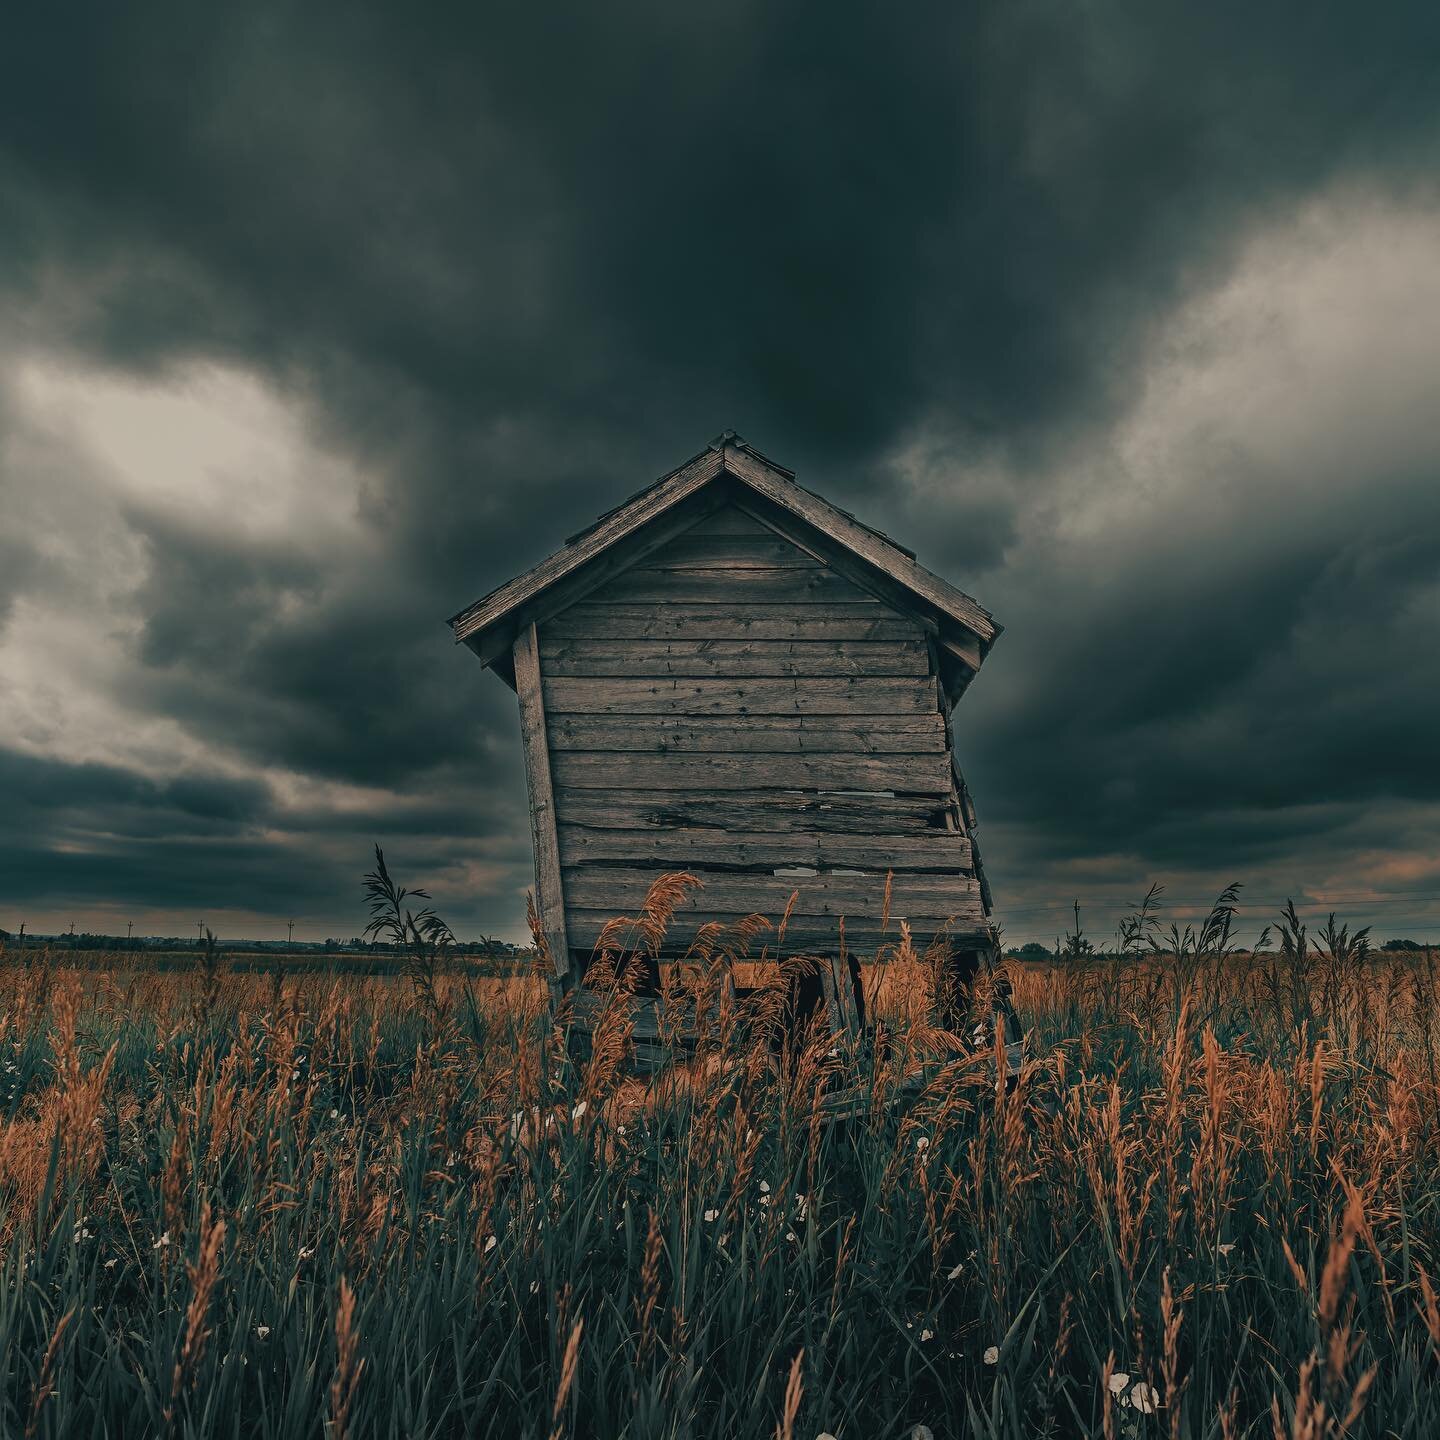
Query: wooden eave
[(622, 537)]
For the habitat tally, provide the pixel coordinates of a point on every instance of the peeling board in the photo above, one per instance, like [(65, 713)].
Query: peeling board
[(757, 810)]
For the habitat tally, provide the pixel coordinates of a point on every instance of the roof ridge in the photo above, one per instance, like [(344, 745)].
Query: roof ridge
[(730, 454)]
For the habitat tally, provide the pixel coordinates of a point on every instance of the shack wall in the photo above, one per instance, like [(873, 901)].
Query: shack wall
[(733, 706)]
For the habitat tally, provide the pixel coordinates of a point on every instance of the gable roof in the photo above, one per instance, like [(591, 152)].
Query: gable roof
[(488, 620)]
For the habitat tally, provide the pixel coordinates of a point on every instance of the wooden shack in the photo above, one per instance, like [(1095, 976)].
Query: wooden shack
[(730, 676)]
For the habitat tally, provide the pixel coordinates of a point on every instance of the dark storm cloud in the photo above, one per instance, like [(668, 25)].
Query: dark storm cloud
[(514, 262)]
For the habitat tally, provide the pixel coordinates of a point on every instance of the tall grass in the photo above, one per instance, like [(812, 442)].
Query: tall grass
[(1207, 1208)]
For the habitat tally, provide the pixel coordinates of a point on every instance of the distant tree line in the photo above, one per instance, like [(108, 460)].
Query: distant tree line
[(331, 945)]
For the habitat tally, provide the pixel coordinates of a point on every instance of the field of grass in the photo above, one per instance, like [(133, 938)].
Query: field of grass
[(336, 1206)]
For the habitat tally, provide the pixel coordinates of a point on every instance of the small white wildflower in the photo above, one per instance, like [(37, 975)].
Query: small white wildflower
[(263, 1331), (922, 1432), (163, 1242), (534, 1287), (922, 1142), (791, 1235), (112, 1262), (802, 1207), (1118, 1381), (306, 1251), (764, 1199), (294, 1076), (334, 1114), (1227, 1247), (824, 1435), (490, 1244), (619, 1129), (81, 1233), (580, 1109), (1145, 1398), (926, 1336), (992, 1355), (711, 1215), (764, 1187), (957, 1272)]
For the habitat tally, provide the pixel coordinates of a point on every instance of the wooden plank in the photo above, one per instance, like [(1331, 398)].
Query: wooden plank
[(697, 774), (666, 493), (682, 849), (698, 549), (718, 585), (772, 734), (962, 647), (735, 657), (865, 543), (797, 696), (549, 883), (764, 811), (805, 934), (836, 558), (668, 620), (732, 520), (492, 642), (622, 889)]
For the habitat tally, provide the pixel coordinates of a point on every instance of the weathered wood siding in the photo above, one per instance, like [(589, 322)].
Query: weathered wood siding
[(717, 708)]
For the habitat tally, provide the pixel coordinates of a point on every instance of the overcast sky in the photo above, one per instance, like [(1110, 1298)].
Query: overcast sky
[(318, 322)]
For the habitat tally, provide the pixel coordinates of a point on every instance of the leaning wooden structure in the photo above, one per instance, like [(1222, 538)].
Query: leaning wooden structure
[(730, 676)]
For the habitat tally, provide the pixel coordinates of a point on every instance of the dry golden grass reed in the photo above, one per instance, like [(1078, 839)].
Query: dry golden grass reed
[(1216, 1193)]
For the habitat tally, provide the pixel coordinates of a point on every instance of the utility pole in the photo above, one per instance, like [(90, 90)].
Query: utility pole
[(200, 932), (129, 928), (290, 938)]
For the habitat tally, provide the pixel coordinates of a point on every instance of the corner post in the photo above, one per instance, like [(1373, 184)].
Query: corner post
[(544, 836)]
